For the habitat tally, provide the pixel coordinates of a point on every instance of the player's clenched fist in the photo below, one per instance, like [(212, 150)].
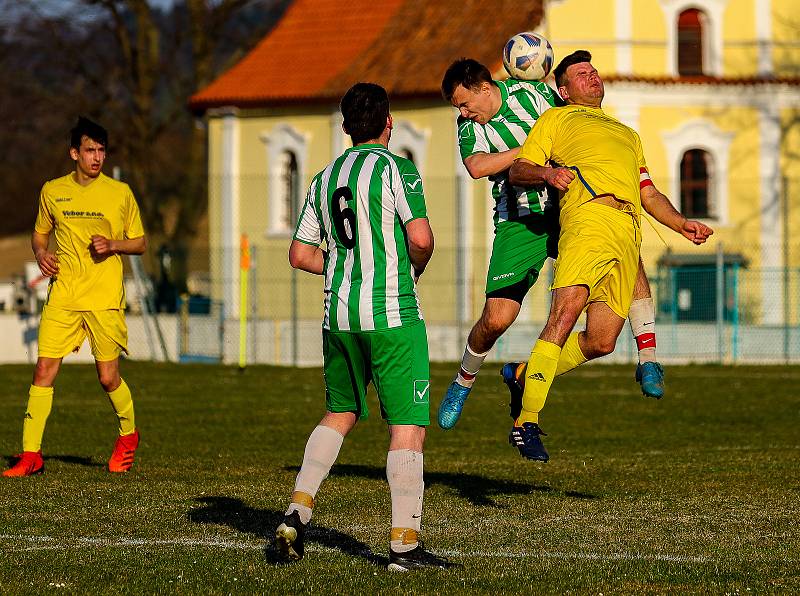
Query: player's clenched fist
[(101, 246), (696, 231), (48, 263), (559, 177)]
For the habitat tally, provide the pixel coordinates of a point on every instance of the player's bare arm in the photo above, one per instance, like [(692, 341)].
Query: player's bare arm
[(526, 173), (104, 247), (420, 244), (307, 257), (660, 207), (480, 165), (48, 261)]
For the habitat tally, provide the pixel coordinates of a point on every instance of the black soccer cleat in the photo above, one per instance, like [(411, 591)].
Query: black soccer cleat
[(416, 558), (515, 387), (526, 439), (289, 537)]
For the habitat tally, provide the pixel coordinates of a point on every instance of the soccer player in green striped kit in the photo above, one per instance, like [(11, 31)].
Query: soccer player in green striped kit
[(494, 120), (368, 208)]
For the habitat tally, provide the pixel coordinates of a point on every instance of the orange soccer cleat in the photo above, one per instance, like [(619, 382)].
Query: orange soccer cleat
[(124, 452), (29, 463)]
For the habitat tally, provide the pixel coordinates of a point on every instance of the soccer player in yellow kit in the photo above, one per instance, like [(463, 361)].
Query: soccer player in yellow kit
[(604, 183), (94, 219)]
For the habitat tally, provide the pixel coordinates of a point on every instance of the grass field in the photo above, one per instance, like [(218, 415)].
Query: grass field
[(698, 492)]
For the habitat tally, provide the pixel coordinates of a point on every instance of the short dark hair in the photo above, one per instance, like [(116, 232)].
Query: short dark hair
[(365, 108), (467, 72), (86, 128), (577, 57)]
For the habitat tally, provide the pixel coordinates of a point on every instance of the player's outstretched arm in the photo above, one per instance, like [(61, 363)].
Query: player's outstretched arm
[(48, 262), (526, 173), (420, 244), (480, 165), (660, 207), (307, 257)]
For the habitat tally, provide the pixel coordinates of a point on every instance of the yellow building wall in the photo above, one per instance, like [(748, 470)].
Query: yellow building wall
[(583, 25), (649, 38), (786, 34), (437, 288), (740, 50), (742, 232)]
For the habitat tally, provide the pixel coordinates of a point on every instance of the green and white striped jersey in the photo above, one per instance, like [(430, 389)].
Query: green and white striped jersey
[(359, 206), (522, 103)]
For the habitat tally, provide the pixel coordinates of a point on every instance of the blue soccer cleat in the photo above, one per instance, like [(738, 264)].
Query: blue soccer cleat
[(452, 404), (650, 375), (526, 439), (515, 387)]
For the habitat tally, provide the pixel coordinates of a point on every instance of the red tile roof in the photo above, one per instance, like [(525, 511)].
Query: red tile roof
[(701, 80), (321, 47)]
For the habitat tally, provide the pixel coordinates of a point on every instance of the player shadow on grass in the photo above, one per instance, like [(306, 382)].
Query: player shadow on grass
[(67, 459), (234, 513), (478, 490)]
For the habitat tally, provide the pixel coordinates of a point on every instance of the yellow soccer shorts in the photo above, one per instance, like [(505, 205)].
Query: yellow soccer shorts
[(63, 331), (599, 248)]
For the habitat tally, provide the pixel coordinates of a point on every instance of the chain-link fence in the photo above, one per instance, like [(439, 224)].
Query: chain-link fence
[(723, 312), (730, 300)]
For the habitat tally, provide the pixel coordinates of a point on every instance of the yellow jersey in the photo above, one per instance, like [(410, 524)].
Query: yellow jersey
[(105, 207), (605, 155)]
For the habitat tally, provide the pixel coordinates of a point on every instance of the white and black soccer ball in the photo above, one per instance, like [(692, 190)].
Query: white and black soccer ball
[(528, 56)]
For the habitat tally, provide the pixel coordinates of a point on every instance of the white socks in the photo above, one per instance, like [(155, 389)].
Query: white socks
[(642, 317), (321, 452), (470, 365), (404, 473)]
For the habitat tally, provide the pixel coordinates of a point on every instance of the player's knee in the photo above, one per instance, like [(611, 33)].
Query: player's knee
[(495, 326), (44, 374), (600, 346), (109, 380)]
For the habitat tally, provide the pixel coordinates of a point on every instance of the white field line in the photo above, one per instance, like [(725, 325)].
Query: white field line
[(35, 543)]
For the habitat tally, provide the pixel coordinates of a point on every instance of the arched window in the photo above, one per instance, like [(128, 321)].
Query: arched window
[(695, 174), (408, 154), (289, 191), (287, 150), (690, 42)]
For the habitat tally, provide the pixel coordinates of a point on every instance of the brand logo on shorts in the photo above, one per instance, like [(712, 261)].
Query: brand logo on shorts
[(421, 392), (503, 276)]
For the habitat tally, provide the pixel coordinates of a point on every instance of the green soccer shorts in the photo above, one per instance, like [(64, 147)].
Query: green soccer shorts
[(395, 360), (520, 249)]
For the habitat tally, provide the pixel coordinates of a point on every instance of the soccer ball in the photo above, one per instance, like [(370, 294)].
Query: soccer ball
[(528, 56)]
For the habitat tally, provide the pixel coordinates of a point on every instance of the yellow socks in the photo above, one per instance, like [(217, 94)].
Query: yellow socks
[(122, 403), (538, 379), (571, 355), (40, 401)]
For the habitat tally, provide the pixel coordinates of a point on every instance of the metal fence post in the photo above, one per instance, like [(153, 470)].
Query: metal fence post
[(720, 302), (786, 279), (294, 316), (735, 312)]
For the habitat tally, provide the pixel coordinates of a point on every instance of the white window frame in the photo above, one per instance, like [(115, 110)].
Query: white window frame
[(414, 140), (702, 134), (283, 138), (714, 11)]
